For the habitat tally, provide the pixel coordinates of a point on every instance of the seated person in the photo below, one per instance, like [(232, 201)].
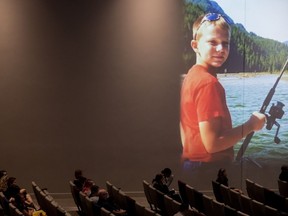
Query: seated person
[(108, 204), (27, 198), (222, 177), (284, 173), (94, 195), (86, 189), (12, 188), (19, 201), (3, 180), (168, 176), (158, 184), (79, 179)]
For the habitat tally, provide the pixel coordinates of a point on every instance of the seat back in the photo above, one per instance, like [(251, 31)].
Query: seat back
[(171, 206), (235, 199), (84, 207), (283, 188), (182, 191), (269, 211), (258, 192), (216, 191), (75, 194), (225, 192), (258, 208), (274, 200), (208, 205), (139, 209), (147, 194), (230, 211), (218, 208), (131, 202), (246, 204)]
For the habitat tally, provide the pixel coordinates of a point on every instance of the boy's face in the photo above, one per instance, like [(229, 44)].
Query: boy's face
[(212, 46)]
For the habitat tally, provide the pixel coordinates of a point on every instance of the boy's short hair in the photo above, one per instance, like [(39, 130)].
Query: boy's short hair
[(203, 20)]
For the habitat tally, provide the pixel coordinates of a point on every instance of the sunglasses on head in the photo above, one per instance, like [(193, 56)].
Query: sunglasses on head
[(208, 17)]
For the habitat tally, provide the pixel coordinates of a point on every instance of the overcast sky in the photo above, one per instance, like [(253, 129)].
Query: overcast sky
[(266, 18)]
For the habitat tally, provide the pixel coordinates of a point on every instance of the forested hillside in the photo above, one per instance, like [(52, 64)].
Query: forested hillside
[(248, 52)]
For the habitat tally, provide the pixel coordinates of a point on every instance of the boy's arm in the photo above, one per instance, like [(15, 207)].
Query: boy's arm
[(215, 140)]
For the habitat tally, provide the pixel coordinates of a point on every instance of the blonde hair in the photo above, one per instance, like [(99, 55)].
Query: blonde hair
[(221, 22)]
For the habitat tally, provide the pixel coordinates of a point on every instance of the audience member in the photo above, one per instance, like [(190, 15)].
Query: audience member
[(12, 188), (222, 177), (94, 195), (19, 201), (79, 179), (27, 198), (284, 173), (158, 183), (3, 180), (168, 176), (108, 204), (86, 189)]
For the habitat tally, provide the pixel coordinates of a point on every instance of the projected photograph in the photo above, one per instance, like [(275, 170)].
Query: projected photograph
[(250, 75)]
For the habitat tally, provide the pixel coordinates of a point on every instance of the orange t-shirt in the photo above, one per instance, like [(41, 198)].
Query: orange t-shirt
[(202, 98)]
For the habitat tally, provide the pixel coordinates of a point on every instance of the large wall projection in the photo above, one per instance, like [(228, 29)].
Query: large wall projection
[(252, 70)]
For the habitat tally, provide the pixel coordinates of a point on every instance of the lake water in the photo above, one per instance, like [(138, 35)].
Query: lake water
[(245, 95)]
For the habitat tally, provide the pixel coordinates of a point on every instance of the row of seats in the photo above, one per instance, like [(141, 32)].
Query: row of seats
[(266, 196), (205, 204), (163, 204), (241, 202), (47, 202), (124, 201)]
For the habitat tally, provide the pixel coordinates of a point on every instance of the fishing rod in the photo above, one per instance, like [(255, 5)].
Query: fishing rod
[(276, 111)]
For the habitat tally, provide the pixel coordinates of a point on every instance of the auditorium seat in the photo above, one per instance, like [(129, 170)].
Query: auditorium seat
[(235, 199), (283, 188), (194, 198), (182, 191), (216, 191), (147, 194), (246, 204), (225, 192), (171, 206), (208, 205), (75, 194)]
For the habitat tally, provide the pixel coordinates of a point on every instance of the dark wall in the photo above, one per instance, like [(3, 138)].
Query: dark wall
[(91, 85)]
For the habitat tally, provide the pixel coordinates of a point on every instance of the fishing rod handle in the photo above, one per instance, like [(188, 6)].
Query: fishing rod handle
[(244, 146)]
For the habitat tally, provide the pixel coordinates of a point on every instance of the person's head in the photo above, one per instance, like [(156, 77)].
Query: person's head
[(23, 192), (94, 189), (166, 172), (222, 173), (284, 168), (78, 173), (3, 173), (103, 194), (11, 181), (211, 40)]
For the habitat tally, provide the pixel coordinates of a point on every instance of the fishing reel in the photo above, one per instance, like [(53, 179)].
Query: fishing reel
[(276, 112)]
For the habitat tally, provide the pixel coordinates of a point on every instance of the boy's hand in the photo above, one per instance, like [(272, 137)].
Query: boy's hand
[(257, 121)]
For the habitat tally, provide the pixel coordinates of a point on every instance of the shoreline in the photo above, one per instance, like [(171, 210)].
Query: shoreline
[(253, 74)]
